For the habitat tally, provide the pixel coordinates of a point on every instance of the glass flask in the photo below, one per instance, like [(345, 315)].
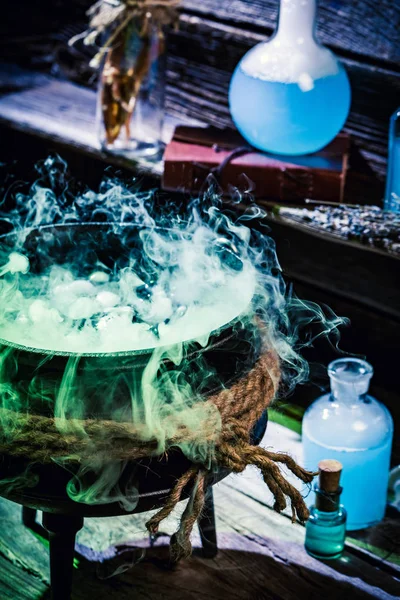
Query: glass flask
[(290, 95), (354, 428), (326, 526), (392, 195), (130, 107)]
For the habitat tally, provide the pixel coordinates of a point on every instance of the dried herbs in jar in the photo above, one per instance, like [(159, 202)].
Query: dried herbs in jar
[(132, 62)]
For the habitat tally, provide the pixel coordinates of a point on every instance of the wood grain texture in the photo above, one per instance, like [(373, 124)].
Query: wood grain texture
[(61, 115), (339, 267), (18, 584), (64, 113), (365, 28)]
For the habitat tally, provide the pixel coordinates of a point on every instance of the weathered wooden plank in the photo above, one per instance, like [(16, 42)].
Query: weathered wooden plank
[(261, 555), (64, 113), (19, 545), (363, 27), (18, 584), (247, 568), (285, 542), (339, 267)]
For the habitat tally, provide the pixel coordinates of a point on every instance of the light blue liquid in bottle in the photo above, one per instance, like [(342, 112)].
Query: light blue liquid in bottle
[(290, 95), (392, 196), (354, 428)]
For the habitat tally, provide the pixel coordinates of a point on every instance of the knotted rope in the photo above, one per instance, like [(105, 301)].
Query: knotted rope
[(39, 439)]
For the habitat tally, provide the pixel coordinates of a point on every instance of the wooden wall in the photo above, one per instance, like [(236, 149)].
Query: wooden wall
[(214, 35)]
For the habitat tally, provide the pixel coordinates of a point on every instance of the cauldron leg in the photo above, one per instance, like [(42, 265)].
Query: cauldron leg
[(206, 523), (28, 516), (62, 531)]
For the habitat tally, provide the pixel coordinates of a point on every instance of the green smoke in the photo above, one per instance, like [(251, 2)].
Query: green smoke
[(130, 315)]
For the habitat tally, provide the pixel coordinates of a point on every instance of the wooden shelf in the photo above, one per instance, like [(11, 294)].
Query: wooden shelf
[(64, 114)]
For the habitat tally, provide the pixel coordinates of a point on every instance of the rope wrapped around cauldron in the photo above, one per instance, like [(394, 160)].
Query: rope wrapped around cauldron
[(38, 438)]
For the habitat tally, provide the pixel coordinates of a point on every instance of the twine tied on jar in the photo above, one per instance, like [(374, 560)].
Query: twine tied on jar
[(117, 14), (132, 40)]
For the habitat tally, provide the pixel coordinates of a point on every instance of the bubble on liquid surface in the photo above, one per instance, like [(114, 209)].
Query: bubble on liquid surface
[(17, 263), (99, 277), (104, 312), (107, 299)]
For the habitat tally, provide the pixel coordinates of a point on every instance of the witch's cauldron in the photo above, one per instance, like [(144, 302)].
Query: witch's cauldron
[(230, 356)]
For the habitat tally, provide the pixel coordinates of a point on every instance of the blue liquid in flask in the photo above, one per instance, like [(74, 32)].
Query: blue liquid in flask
[(354, 428), (392, 197), (290, 95), (285, 119)]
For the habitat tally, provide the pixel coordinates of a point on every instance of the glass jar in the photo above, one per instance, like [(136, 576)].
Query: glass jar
[(352, 427), (326, 532), (130, 109), (392, 196), (290, 95)]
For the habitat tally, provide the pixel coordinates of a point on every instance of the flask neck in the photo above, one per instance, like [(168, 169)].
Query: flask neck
[(296, 21), (350, 379)]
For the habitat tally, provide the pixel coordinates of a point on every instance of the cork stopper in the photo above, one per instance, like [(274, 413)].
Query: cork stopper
[(329, 475), (328, 491)]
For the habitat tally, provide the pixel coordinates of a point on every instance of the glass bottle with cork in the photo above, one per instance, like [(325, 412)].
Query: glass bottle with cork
[(350, 425), (326, 527)]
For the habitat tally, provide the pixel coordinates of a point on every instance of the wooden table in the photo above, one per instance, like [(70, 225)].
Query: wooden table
[(261, 556)]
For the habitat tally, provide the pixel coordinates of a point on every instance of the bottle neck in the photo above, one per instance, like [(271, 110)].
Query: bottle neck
[(345, 394), (327, 502), (296, 20), (350, 379)]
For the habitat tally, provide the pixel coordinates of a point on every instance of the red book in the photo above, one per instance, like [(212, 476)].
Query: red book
[(195, 152)]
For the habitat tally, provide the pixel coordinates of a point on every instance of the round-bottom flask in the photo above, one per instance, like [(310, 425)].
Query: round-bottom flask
[(290, 95)]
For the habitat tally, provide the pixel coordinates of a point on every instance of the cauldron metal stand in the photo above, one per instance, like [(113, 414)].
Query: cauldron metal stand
[(63, 518), (62, 530)]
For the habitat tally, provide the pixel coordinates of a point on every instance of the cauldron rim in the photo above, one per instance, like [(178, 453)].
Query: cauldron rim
[(117, 354)]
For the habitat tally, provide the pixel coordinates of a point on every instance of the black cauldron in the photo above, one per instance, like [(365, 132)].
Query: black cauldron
[(230, 353)]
